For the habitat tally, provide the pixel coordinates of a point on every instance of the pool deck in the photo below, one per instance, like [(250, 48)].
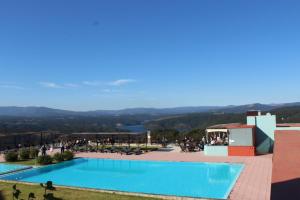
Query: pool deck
[(254, 182)]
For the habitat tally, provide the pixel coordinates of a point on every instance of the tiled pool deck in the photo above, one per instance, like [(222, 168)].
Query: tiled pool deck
[(253, 184)]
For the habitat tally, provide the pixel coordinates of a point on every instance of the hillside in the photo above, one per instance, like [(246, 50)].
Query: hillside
[(68, 121), (289, 114), (188, 122), (194, 121), (68, 124)]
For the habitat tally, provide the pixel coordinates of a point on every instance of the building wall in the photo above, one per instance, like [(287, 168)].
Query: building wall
[(215, 150), (241, 137), (241, 151), (264, 134), (286, 162)]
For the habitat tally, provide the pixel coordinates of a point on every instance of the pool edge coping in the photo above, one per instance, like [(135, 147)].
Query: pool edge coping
[(236, 178)]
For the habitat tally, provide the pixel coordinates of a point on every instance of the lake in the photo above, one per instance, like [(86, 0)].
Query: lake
[(134, 128)]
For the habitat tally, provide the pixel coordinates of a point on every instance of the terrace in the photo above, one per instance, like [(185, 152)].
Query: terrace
[(253, 183), (240, 142)]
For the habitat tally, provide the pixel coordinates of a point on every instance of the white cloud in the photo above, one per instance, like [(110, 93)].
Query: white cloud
[(50, 85), (58, 86), (71, 85), (121, 82), (107, 90), (7, 86), (92, 83), (118, 82)]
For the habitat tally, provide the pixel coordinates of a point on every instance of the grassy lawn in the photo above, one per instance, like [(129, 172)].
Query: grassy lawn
[(25, 162), (61, 193), (30, 162)]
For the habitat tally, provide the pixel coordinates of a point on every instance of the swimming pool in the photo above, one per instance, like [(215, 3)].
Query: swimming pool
[(183, 179), (6, 168)]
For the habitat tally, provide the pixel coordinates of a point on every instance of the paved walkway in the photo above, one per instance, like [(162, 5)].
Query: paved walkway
[(253, 184)]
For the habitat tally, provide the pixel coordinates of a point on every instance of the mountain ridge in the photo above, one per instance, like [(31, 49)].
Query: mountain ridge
[(36, 111)]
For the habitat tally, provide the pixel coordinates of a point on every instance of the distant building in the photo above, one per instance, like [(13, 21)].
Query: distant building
[(286, 162), (264, 134), (255, 137)]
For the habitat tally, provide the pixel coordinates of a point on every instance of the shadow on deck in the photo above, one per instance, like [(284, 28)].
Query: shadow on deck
[(286, 190), (1, 196)]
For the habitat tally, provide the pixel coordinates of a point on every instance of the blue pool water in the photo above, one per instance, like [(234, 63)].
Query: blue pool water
[(187, 179), (5, 168)]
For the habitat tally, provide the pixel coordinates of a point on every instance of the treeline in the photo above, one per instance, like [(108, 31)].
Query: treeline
[(189, 122), (172, 127), (288, 114), (68, 124), (194, 125)]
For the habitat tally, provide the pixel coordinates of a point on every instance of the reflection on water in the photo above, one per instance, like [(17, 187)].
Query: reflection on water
[(113, 166), (219, 173)]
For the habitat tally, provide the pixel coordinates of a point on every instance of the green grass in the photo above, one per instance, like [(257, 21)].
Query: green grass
[(62, 193), (30, 162), (24, 162)]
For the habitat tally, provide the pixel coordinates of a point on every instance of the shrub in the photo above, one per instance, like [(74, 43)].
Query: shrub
[(68, 155), (58, 157), (24, 154), (33, 152), (44, 160), (11, 156), (149, 149)]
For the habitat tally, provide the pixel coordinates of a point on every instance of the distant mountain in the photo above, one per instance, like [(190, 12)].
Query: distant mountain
[(188, 122), (50, 112), (160, 111), (245, 108), (33, 112)]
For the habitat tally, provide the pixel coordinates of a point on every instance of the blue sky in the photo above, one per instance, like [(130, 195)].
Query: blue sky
[(86, 55)]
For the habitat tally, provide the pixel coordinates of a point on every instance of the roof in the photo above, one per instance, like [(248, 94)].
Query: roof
[(286, 162), (230, 126), (289, 125)]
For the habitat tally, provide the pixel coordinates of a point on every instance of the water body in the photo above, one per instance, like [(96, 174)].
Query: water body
[(134, 128), (5, 168), (182, 179)]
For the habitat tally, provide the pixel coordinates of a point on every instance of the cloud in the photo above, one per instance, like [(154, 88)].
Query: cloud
[(16, 87), (58, 86), (118, 82), (111, 91), (121, 82), (92, 83), (71, 85), (50, 85), (107, 90)]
